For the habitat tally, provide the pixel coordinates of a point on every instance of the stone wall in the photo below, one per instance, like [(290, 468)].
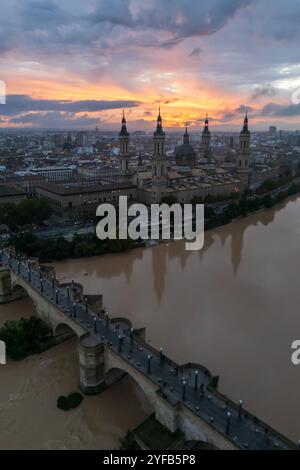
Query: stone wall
[(9, 293)]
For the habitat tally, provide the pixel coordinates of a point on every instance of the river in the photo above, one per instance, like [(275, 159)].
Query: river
[(232, 307)]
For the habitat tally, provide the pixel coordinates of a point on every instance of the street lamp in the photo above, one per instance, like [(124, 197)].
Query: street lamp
[(106, 319), (95, 324), (120, 343), (86, 305), (42, 285), (149, 365), (196, 380), (68, 292), (131, 336), (56, 296), (228, 422), (161, 356), (183, 390), (74, 309), (240, 408), (53, 283)]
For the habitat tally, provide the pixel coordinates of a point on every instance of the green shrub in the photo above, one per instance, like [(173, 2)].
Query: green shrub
[(70, 402), (24, 337)]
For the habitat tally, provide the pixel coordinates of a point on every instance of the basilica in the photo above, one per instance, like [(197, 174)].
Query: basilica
[(195, 174)]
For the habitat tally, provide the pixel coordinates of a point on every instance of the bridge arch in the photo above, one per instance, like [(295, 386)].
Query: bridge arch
[(63, 331), (116, 368), (115, 374), (46, 310)]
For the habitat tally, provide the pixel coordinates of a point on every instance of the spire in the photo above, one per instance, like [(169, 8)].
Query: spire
[(206, 128), (246, 122), (124, 131), (159, 128), (186, 137)]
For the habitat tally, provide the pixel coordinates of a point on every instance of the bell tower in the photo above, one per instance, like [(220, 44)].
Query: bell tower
[(205, 140), (243, 158), (159, 164), (124, 148)]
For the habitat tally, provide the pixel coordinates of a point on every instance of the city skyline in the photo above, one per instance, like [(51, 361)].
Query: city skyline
[(75, 66)]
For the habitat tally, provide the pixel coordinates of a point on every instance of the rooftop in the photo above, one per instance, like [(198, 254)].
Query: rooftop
[(69, 189), (8, 191)]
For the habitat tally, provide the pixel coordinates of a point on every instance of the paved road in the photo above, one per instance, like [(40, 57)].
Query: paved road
[(67, 232), (240, 427)]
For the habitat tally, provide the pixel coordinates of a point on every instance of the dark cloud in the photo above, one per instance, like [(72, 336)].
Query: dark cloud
[(55, 120), (181, 18), (229, 115), (276, 110), (16, 104), (195, 52), (264, 90), (44, 24)]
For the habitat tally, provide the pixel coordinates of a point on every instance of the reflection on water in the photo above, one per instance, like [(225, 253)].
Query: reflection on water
[(233, 306)]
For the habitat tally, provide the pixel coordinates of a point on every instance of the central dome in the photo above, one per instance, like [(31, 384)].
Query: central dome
[(185, 154)]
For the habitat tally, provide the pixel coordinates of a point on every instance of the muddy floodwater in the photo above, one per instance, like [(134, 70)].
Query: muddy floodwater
[(233, 307)]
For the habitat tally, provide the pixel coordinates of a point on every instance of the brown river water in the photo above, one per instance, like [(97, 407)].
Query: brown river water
[(233, 307)]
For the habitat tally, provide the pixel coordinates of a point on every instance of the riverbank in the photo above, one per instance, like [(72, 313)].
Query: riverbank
[(88, 245)]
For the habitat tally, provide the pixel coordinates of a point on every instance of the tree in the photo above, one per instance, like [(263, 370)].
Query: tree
[(24, 337), (197, 200), (27, 212), (267, 201)]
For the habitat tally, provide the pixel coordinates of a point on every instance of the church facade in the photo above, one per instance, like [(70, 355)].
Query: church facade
[(188, 178)]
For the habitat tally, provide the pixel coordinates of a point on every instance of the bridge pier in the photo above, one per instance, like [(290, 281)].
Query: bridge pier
[(166, 413), (92, 368)]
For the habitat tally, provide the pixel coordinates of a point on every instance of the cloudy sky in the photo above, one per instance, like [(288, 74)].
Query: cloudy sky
[(78, 63)]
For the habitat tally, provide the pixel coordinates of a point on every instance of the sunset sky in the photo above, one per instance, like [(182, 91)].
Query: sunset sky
[(77, 63)]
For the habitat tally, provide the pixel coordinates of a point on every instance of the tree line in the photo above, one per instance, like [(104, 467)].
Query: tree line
[(27, 212)]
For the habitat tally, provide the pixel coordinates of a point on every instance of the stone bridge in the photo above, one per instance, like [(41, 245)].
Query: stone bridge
[(182, 397)]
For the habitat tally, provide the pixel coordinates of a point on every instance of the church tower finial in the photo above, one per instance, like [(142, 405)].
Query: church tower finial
[(205, 140), (159, 128), (246, 123), (186, 137), (124, 131)]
